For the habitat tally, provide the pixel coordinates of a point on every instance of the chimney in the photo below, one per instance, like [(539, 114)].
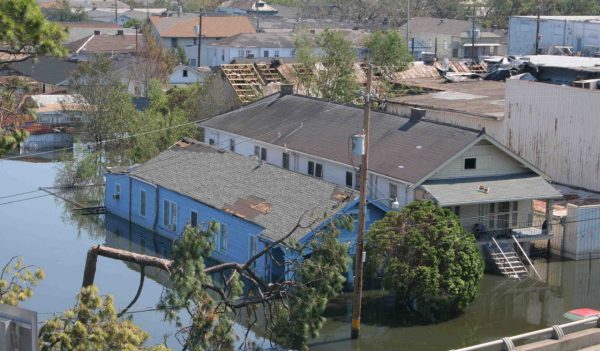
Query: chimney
[(286, 89), (96, 32), (417, 113), (119, 32)]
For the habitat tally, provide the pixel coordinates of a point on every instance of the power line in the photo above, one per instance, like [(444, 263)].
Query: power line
[(26, 199), (19, 194)]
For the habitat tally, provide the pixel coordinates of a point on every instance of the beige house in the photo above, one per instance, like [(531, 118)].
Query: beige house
[(453, 39)]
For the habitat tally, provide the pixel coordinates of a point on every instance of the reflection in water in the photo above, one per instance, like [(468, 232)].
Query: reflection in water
[(504, 307), (40, 156)]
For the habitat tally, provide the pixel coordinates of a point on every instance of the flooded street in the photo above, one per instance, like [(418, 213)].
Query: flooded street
[(47, 235)]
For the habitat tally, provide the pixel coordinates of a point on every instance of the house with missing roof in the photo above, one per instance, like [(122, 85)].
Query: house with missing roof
[(266, 46), (465, 170), (253, 202), (182, 32), (185, 75)]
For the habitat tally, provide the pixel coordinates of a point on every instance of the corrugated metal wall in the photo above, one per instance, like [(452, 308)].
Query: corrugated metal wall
[(556, 128)]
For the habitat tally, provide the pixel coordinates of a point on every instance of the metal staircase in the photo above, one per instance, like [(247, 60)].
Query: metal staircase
[(508, 262)]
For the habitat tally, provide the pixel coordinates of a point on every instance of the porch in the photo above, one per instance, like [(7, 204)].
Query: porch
[(497, 207)]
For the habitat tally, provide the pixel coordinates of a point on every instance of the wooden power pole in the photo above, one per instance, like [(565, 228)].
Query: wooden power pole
[(359, 254)]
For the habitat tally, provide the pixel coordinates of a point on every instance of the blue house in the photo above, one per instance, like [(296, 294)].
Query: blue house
[(254, 203)]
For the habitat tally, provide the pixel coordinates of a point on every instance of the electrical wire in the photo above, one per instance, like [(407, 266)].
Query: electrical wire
[(29, 198), (19, 194)]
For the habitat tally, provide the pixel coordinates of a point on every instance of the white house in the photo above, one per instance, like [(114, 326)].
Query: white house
[(463, 169), (184, 74), (59, 109), (256, 45), (182, 32), (581, 33)]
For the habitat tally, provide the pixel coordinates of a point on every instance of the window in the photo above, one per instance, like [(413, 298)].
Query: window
[(349, 179), (223, 55), (223, 238), (454, 53), (248, 53), (285, 160), (260, 152), (293, 52), (143, 203), (195, 41), (470, 163), (117, 194), (315, 169), (276, 53), (253, 248), (173, 42), (393, 191), (170, 215), (456, 210), (211, 141), (194, 219), (192, 62), (266, 53), (445, 45), (240, 53), (232, 145), (185, 73)]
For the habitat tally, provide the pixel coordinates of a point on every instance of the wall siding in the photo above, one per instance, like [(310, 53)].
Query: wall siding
[(491, 161)]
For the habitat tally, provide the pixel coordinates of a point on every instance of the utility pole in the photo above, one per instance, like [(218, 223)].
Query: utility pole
[(116, 18), (407, 21), (537, 32), (359, 254), (473, 36), (199, 37)]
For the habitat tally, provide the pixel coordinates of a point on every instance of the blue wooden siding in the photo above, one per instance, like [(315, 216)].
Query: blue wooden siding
[(239, 230)]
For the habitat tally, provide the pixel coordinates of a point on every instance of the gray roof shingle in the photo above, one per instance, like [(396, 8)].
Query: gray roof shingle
[(222, 179), (399, 148)]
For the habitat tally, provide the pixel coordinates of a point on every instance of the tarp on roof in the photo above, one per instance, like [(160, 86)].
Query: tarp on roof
[(456, 192)]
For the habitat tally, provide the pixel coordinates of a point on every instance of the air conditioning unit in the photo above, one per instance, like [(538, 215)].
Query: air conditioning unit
[(116, 196)]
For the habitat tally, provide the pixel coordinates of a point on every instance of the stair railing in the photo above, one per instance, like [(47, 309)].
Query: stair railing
[(506, 258), (526, 257)]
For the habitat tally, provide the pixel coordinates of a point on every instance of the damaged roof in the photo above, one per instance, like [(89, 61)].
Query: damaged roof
[(400, 148), (266, 195), (212, 26)]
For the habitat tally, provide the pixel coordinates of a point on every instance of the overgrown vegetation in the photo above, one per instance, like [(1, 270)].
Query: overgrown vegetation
[(424, 256), (17, 281)]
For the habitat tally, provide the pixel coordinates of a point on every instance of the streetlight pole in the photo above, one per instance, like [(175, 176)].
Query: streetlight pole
[(473, 36), (358, 270)]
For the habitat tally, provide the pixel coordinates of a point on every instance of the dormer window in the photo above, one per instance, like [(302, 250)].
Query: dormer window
[(470, 163)]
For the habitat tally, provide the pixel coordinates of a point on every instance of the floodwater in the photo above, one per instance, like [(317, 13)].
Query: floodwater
[(48, 235)]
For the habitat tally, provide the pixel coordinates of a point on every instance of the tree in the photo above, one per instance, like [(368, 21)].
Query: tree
[(26, 33), (133, 23), (291, 308), (107, 104), (153, 62), (336, 79), (62, 12), (388, 51), (424, 255), (158, 127), (17, 281), (93, 325), (12, 93)]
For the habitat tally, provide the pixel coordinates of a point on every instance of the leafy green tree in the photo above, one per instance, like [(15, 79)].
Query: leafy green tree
[(26, 33), (107, 104), (133, 23), (336, 79), (291, 309), (63, 12), (17, 281), (426, 258), (388, 51), (158, 127), (93, 325)]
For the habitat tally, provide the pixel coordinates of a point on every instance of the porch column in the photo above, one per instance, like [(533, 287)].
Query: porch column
[(549, 215)]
